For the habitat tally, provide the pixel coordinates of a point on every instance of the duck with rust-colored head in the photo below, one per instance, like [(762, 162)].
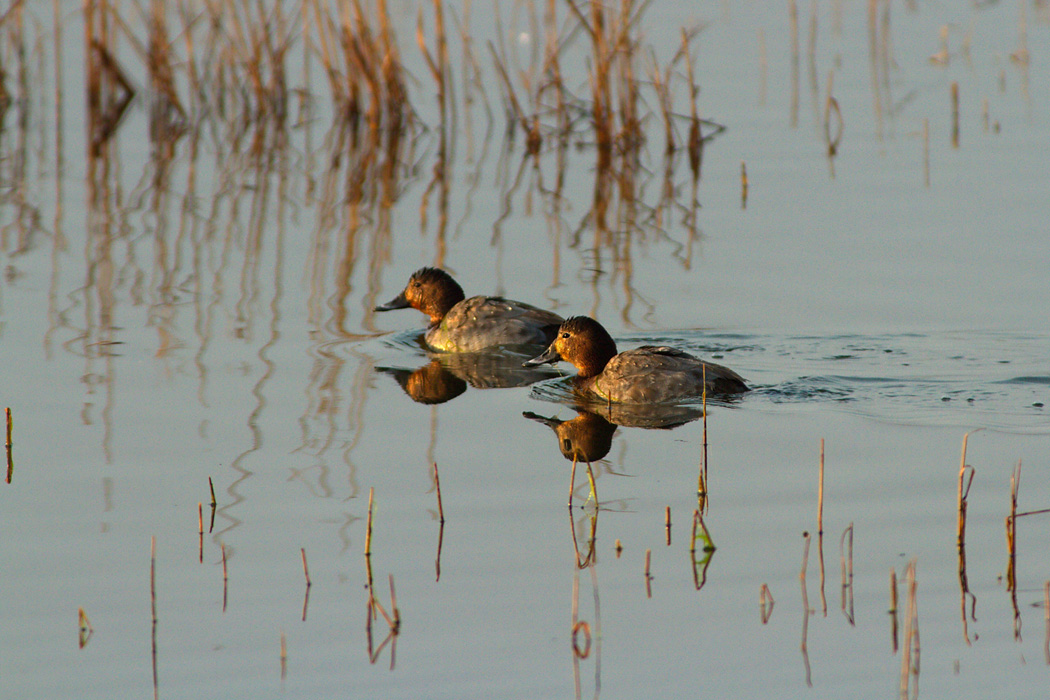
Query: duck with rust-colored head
[(649, 374), (458, 324)]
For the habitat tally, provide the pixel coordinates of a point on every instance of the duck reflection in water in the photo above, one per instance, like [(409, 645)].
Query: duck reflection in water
[(587, 437), (448, 375)]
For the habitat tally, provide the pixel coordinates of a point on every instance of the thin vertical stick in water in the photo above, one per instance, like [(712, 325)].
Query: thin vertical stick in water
[(960, 541), (701, 486), (803, 645), (572, 479), (910, 657), (200, 532), (437, 486), (893, 609), (667, 524), (743, 185), (846, 569), (820, 492), (765, 603), (368, 528), (153, 607), (306, 570), (284, 656), (225, 578), (84, 628), (10, 460), (820, 529), (1011, 547)]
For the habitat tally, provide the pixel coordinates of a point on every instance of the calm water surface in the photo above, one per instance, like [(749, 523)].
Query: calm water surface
[(170, 317)]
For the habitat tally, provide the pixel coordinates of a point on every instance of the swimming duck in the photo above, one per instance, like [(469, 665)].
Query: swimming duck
[(648, 374), (458, 324)]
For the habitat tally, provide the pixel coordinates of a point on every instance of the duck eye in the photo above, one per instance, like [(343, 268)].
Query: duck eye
[(565, 335)]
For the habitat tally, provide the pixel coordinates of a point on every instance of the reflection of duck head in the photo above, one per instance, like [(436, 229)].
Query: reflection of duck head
[(430, 384), (586, 437)]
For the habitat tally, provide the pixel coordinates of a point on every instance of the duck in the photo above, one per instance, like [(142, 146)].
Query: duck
[(458, 324), (649, 374)]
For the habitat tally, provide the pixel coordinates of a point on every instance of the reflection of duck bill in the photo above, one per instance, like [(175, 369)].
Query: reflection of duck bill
[(430, 384), (587, 437)]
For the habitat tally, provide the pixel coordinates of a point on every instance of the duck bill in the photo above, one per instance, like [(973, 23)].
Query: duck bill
[(398, 302), (549, 356)]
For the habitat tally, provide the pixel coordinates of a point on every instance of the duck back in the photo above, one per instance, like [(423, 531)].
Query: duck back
[(484, 322), (654, 374)]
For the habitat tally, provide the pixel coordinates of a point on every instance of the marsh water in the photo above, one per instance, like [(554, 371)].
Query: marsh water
[(197, 306)]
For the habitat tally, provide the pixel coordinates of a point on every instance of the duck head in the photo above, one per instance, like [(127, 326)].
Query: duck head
[(430, 290), (583, 342)]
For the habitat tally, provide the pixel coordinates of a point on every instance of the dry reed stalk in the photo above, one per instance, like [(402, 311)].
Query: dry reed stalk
[(438, 66), (9, 445), (743, 185), (167, 113), (323, 29), (831, 106), (1011, 530), (963, 494), (664, 98), (955, 114), (893, 608), (200, 532), (578, 627), (211, 487), (284, 656), (572, 479), (618, 548), (820, 492), (306, 571), (695, 142), (152, 609), (437, 487), (84, 628), (701, 480), (820, 528), (765, 603), (667, 524), (368, 528), (512, 105), (552, 70), (153, 578), (910, 665), (846, 570), (437, 558), (806, 612), (225, 577)]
